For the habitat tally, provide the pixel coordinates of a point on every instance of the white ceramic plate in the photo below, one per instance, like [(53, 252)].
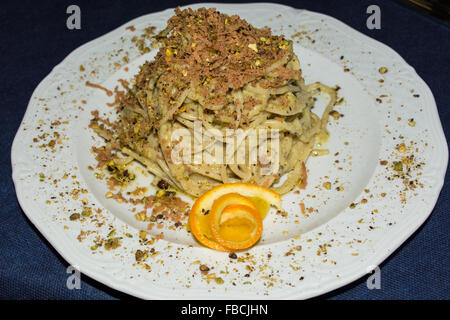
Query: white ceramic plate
[(343, 235)]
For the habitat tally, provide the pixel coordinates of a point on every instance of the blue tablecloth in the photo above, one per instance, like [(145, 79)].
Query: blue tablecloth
[(35, 39)]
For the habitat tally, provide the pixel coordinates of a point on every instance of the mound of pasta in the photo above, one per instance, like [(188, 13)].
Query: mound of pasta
[(224, 74)]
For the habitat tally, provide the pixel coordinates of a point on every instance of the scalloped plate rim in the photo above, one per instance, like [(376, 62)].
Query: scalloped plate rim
[(318, 290)]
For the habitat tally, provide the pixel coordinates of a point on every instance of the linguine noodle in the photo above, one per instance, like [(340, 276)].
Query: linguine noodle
[(219, 70)]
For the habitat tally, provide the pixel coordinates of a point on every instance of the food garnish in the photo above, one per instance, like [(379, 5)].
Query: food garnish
[(229, 216)]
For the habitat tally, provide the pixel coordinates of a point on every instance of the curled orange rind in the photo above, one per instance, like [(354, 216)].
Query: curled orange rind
[(229, 217)]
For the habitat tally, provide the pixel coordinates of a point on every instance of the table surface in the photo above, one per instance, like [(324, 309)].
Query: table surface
[(35, 39)]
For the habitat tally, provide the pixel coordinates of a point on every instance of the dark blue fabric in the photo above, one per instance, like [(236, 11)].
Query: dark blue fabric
[(34, 38)]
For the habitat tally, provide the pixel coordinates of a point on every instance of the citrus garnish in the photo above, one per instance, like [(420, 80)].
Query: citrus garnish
[(261, 204), (201, 229), (256, 197), (237, 226)]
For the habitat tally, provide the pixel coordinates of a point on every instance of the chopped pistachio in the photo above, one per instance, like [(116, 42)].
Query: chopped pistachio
[(169, 52), (335, 114), (253, 47), (86, 212), (401, 148), (398, 166), (139, 255), (142, 234), (283, 44), (74, 216)]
